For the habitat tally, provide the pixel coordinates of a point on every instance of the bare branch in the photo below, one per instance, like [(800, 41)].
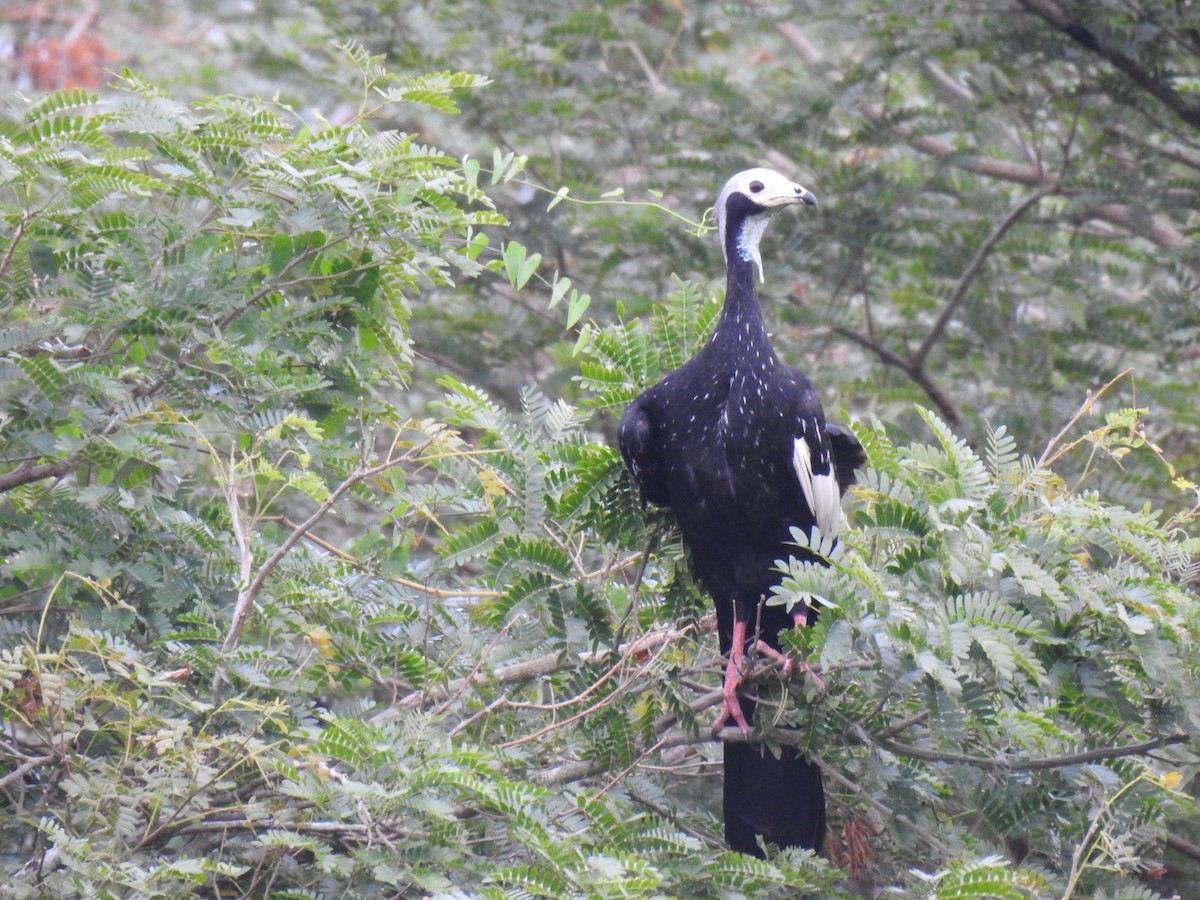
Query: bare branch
[(14, 241), (541, 666), (27, 473), (917, 374), (346, 831), (27, 766), (971, 272), (1182, 845), (1045, 762), (801, 45), (1053, 14), (354, 562), (914, 364), (1153, 227)]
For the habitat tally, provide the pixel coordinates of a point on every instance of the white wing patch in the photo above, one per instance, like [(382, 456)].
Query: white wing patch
[(821, 491)]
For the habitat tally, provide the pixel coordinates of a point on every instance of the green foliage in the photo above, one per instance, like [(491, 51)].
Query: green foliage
[(304, 591), (967, 612), (990, 878)]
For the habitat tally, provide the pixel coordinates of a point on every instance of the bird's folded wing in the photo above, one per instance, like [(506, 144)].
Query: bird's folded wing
[(818, 483)]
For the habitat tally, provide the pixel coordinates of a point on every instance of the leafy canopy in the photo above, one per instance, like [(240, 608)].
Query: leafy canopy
[(293, 605)]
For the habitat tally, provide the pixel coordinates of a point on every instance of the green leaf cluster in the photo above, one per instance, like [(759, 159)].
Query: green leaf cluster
[(304, 591)]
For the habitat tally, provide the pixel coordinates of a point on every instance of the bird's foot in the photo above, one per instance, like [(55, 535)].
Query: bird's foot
[(731, 708)]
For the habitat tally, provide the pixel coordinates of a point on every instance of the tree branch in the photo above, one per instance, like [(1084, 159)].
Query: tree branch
[(679, 737), (974, 267), (541, 666), (27, 473), (14, 242), (914, 364), (1053, 14), (918, 375), (1036, 763), (346, 831), (1182, 845), (247, 593), (1156, 227), (27, 766), (189, 352)]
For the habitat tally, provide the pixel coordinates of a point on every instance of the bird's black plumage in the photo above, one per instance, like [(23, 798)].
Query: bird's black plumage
[(736, 444)]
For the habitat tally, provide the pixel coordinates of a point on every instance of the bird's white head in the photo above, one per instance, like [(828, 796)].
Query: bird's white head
[(748, 200)]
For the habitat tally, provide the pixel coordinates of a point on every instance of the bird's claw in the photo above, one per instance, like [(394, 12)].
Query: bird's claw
[(731, 708)]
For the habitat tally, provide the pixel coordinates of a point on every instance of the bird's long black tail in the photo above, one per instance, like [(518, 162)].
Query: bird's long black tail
[(780, 799)]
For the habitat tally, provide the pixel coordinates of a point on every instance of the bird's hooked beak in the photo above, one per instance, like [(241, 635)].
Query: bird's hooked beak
[(781, 197), (791, 194), (787, 194)]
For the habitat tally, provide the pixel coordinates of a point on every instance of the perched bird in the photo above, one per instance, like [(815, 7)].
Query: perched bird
[(735, 443)]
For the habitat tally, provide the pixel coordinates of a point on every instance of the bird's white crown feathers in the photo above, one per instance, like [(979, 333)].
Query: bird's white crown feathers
[(768, 192)]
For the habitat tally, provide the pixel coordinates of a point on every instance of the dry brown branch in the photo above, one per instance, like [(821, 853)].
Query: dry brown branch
[(1145, 79), (1044, 762), (541, 666)]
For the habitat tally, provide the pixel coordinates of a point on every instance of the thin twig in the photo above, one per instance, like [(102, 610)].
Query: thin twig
[(276, 284), (245, 599), (14, 242), (541, 666), (345, 830), (974, 267), (483, 658), (607, 700), (1078, 858), (918, 374), (1047, 459), (27, 766), (913, 365), (1044, 762), (635, 589)]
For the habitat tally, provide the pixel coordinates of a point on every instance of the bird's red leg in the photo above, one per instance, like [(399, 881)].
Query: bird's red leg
[(776, 656), (801, 620), (731, 708), (733, 678)]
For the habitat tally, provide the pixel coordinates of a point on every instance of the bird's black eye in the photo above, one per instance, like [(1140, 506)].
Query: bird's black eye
[(755, 187)]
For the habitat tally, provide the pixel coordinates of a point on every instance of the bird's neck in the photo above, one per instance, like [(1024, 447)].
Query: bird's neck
[(741, 318)]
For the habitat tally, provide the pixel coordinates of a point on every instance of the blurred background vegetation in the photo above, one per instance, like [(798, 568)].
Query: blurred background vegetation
[(237, 533)]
